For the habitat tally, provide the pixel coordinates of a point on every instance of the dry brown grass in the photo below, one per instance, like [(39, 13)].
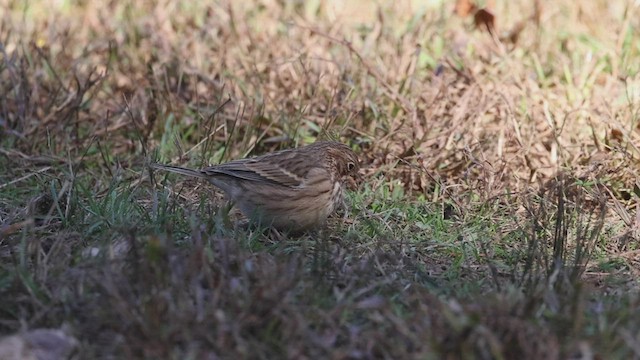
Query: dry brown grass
[(425, 90), (476, 124)]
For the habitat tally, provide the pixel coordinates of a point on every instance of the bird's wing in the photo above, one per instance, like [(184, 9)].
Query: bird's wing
[(267, 169)]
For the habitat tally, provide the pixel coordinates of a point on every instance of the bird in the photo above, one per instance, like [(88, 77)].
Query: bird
[(292, 190)]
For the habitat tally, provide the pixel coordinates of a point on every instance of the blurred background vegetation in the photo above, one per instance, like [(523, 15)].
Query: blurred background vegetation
[(499, 141)]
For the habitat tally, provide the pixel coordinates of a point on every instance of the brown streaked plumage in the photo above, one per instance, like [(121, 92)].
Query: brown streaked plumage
[(293, 189)]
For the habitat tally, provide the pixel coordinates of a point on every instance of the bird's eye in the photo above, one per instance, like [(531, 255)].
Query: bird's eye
[(351, 166)]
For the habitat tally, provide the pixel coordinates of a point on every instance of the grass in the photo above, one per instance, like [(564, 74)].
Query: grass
[(497, 218)]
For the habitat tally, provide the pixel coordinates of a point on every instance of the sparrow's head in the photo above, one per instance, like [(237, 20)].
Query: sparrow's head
[(342, 162)]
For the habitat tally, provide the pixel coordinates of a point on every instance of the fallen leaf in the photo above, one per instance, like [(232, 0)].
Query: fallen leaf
[(484, 17), (464, 8), (616, 135)]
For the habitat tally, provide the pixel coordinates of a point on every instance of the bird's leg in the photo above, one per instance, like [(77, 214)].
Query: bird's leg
[(276, 235), (345, 208), (223, 215)]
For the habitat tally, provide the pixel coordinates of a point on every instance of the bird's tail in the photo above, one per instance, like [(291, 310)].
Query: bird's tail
[(179, 170)]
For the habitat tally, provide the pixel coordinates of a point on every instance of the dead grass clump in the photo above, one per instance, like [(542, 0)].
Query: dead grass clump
[(217, 298), (441, 110), (455, 104)]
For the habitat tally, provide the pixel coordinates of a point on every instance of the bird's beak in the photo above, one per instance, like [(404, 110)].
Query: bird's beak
[(353, 182)]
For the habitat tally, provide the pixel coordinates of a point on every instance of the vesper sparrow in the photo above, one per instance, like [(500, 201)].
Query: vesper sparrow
[(293, 189)]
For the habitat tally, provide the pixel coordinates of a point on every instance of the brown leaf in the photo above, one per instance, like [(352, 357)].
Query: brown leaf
[(464, 8), (616, 135), (484, 17), (513, 35)]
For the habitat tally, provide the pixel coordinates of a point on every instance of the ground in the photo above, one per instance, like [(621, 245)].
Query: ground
[(497, 218)]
